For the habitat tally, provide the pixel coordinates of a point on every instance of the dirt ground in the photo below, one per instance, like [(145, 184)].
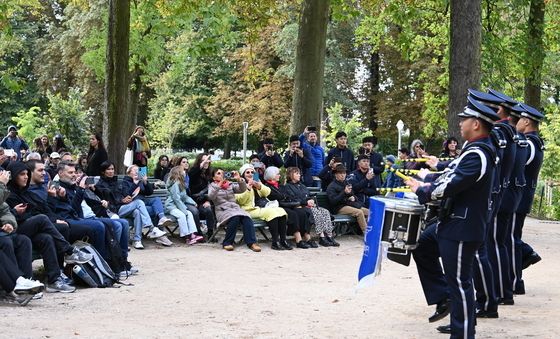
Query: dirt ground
[(203, 292)]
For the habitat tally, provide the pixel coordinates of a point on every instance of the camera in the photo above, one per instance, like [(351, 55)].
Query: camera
[(228, 175)]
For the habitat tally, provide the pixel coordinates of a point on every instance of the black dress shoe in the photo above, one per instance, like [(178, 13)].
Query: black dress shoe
[(531, 259), (276, 247), (312, 244), (487, 314), (333, 242), (442, 310), (324, 242), (286, 245), (503, 301), (444, 329), (302, 244), (519, 291)]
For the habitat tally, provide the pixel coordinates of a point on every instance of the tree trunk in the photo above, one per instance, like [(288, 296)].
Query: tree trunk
[(535, 53), (373, 91), (307, 104), (118, 122), (464, 59), (227, 148)]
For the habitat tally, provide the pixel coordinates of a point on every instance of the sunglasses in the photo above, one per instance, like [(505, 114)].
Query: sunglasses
[(250, 172)]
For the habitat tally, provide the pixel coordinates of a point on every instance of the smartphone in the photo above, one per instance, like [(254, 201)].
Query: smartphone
[(311, 128), (256, 176)]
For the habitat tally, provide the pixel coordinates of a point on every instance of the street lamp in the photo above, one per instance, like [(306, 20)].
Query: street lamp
[(400, 126), (245, 127)]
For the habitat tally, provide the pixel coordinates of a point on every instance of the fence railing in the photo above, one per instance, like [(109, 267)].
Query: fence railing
[(547, 200)]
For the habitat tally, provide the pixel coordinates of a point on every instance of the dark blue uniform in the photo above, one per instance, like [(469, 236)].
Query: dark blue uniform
[(465, 186), (532, 169)]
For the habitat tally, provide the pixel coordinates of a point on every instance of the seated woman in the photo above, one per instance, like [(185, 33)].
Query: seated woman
[(298, 219), (222, 193), (162, 167), (176, 205), (107, 188), (275, 217), (321, 217), (200, 175)]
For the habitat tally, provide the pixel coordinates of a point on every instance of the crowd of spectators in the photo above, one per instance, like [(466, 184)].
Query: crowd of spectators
[(51, 198)]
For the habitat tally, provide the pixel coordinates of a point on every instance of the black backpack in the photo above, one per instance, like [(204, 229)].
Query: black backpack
[(114, 253), (94, 273)]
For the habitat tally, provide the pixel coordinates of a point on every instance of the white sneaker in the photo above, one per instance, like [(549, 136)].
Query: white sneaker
[(163, 240), (156, 233), (138, 245), (165, 221), (24, 285)]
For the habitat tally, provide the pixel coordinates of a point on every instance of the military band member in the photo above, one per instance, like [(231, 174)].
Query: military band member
[(528, 124), (464, 189)]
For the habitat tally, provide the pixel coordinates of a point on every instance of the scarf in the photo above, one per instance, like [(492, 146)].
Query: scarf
[(142, 144), (273, 183), (225, 185)]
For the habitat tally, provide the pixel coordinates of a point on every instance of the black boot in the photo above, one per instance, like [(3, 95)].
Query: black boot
[(286, 245), (332, 241)]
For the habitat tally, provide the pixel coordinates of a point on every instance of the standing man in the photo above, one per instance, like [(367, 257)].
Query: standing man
[(528, 124), (363, 180), (310, 142), (375, 158), (12, 141), (296, 156), (269, 157), (342, 151), (464, 188)]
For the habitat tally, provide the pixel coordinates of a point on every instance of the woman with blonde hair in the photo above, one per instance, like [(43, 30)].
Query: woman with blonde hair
[(176, 205)]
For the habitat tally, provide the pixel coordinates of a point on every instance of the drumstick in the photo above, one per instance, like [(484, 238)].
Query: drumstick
[(395, 189), (399, 174), (424, 159)]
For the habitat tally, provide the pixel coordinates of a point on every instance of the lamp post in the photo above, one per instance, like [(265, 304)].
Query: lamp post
[(400, 127), (245, 127)]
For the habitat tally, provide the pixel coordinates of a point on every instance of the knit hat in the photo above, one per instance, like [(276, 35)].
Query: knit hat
[(12, 127), (271, 172), (16, 167), (244, 168), (391, 158)]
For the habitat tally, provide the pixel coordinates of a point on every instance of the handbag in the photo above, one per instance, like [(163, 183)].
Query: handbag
[(260, 201), (128, 157)]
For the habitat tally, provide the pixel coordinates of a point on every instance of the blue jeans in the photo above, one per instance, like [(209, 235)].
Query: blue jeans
[(248, 230), (98, 229), (154, 207), (140, 214)]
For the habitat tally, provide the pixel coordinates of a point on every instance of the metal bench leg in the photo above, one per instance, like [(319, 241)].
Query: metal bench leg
[(263, 233)]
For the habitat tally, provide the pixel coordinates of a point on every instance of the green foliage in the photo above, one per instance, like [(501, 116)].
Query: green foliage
[(68, 117), (353, 126), (31, 123)]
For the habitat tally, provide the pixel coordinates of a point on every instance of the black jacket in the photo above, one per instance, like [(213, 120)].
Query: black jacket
[(95, 159), (338, 198)]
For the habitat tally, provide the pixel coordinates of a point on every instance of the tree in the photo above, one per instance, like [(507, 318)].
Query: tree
[(535, 53), (118, 120), (307, 103), (464, 59)]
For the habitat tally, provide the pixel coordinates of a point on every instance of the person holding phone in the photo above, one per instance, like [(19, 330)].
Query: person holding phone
[(254, 201), (200, 176), (222, 193), (138, 143), (14, 142), (363, 180), (309, 140), (269, 156), (296, 155), (343, 200)]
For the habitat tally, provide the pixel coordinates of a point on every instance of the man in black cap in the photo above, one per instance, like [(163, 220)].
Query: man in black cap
[(269, 157), (464, 188), (363, 180), (375, 158), (343, 200), (297, 156), (528, 124), (342, 151)]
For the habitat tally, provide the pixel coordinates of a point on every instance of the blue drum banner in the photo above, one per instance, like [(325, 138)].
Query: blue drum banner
[(373, 249)]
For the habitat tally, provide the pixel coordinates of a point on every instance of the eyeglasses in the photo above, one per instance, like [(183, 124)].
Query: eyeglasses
[(250, 172), (418, 146)]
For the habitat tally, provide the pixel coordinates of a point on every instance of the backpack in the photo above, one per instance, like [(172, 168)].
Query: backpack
[(94, 273), (114, 254)]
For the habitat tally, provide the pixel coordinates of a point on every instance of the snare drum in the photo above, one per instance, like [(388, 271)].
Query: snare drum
[(402, 225)]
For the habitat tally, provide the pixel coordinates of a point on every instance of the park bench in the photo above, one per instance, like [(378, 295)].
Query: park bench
[(344, 224)]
